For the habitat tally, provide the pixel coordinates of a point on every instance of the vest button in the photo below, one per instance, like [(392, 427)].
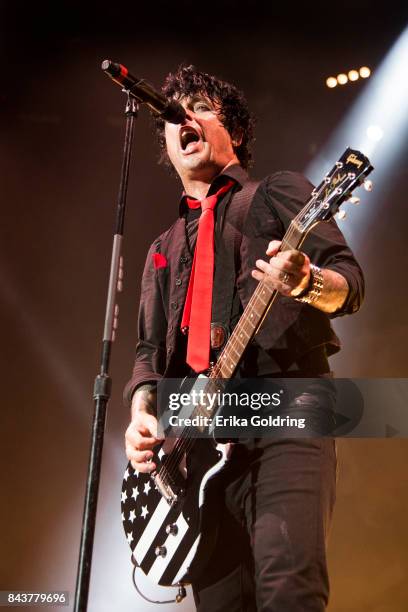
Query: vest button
[(183, 259), (174, 305), (178, 282)]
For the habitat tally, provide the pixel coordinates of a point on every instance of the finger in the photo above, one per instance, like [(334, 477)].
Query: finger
[(280, 286), (146, 468), (138, 456), (145, 426), (150, 424), (293, 256), (137, 436), (140, 460), (273, 247), (292, 278), (281, 271), (140, 442), (297, 264), (276, 274), (257, 274), (146, 443), (289, 272), (263, 265)]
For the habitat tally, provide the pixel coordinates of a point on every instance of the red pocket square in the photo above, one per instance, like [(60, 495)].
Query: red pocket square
[(159, 261)]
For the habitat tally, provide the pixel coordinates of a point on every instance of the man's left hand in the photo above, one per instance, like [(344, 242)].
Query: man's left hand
[(288, 271)]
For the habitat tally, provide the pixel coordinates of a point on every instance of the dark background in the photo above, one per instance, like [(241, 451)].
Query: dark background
[(61, 127)]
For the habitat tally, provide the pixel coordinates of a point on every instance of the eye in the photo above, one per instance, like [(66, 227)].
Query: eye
[(202, 107)]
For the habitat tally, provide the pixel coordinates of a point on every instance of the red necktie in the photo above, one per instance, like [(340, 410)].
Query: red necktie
[(197, 308)]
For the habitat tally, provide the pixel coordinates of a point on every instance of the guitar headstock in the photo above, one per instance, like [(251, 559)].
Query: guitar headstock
[(349, 172)]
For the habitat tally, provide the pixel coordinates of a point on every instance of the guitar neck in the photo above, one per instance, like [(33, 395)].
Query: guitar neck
[(253, 315)]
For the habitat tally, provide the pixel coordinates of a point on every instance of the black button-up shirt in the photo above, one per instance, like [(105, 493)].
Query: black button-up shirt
[(290, 332)]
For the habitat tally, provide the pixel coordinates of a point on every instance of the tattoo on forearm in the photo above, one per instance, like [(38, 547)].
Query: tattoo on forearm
[(147, 393)]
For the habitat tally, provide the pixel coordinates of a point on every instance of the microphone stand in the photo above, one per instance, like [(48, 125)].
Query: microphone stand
[(103, 382)]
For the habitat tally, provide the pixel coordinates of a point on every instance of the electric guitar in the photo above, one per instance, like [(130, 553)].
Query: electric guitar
[(169, 516)]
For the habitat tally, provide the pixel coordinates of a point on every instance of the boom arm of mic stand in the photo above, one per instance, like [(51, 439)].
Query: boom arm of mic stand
[(103, 383)]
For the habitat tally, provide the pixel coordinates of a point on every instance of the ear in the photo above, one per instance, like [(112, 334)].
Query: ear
[(237, 138)]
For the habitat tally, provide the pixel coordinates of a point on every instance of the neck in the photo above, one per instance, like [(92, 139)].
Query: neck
[(198, 187)]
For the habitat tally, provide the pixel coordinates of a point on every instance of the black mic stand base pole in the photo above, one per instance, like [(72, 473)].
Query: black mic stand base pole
[(103, 383)]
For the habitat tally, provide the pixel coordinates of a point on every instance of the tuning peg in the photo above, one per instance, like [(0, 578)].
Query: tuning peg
[(341, 214), (354, 200), (368, 185)]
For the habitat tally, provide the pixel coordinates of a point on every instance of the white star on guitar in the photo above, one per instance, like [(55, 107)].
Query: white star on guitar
[(145, 511)]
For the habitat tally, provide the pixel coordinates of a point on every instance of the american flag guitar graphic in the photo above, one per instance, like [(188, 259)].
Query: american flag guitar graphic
[(165, 535), (170, 516)]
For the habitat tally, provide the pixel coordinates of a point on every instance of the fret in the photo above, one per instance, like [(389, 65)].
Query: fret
[(239, 341), (242, 333), (286, 245), (226, 367), (230, 360), (292, 238), (257, 309), (232, 348), (259, 306), (250, 319)]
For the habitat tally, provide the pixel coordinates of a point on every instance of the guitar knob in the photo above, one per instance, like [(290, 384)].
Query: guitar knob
[(341, 214), (160, 551), (172, 529), (354, 200), (368, 185), (181, 594)]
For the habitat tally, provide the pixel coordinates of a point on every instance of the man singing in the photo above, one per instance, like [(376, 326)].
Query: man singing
[(199, 276)]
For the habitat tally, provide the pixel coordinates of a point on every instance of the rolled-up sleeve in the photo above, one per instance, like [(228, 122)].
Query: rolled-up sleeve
[(287, 193), (150, 357)]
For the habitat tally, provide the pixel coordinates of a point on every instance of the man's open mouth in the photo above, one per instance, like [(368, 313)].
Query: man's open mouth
[(187, 136)]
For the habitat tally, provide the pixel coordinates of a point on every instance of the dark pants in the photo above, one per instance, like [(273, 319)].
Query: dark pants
[(270, 555)]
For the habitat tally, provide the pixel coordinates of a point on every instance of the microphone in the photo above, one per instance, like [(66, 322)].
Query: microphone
[(169, 110)]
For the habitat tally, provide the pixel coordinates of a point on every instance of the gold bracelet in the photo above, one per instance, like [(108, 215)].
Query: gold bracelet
[(316, 286)]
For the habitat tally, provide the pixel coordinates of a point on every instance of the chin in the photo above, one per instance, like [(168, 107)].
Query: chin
[(196, 161)]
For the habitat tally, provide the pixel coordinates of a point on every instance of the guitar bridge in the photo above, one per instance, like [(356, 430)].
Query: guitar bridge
[(165, 488)]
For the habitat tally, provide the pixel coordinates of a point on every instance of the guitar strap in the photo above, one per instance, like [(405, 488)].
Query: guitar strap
[(227, 255)]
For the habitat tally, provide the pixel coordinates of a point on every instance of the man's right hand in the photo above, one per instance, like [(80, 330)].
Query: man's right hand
[(141, 435)]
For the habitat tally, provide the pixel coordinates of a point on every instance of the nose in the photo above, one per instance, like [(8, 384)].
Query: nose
[(189, 115)]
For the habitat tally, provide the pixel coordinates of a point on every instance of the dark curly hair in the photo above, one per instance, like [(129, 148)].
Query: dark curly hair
[(234, 113)]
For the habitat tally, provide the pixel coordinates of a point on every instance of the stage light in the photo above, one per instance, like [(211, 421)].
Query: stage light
[(364, 72), (375, 133), (331, 82), (352, 76)]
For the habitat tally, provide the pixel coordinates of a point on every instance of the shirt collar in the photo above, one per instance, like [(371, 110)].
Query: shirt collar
[(235, 172)]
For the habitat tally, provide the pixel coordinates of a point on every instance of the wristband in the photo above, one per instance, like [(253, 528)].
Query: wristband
[(315, 287)]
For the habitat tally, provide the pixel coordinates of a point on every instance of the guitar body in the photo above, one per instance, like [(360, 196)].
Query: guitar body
[(172, 542)]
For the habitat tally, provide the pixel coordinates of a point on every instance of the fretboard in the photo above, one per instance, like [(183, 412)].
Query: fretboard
[(253, 315)]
